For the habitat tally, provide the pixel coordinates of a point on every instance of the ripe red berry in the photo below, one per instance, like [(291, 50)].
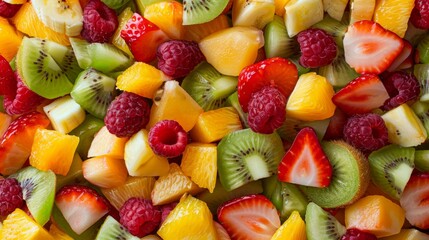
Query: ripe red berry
[(99, 22), (10, 196), (7, 78), (8, 10), (356, 234), (318, 48), (167, 138), (420, 14), (402, 87)]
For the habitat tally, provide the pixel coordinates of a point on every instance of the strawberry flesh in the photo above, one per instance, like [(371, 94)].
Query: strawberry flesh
[(7, 78)]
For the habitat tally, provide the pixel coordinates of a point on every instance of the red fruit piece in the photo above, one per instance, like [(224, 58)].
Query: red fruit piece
[(305, 163), (81, 206), (16, 142), (7, 78), (143, 37), (362, 95), (166, 209), (8, 10), (402, 87), (415, 200), (405, 55), (318, 48), (10, 196), (249, 217), (99, 22), (167, 138), (336, 125), (356, 234), (420, 14), (276, 72), (139, 216), (369, 48)]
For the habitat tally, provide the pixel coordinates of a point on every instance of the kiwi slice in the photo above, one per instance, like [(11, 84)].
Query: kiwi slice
[(277, 41), (112, 229), (39, 70), (232, 101), (244, 156), (142, 4), (38, 190), (74, 174), (285, 196), (339, 73), (350, 176), (421, 160), (220, 195), (208, 87), (423, 49), (115, 4), (421, 71), (320, 224), (290, 128), (86, 132), (94, 91), (421, 109), (201, 11), (391, 168)]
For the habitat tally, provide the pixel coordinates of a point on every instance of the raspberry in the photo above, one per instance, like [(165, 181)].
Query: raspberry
[(166, 209), (127, 114), (367, 132), (420, 14), (267, 110), (99, 22), (8, 10), (176, 58), (139, 216), (23, 101), (167, 138), (402, 87), (10, 196), (356, 234), (7, 78), (318, 48)]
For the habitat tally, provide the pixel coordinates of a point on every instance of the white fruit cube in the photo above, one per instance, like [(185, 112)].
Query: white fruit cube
[(302, 14), (65, 114)]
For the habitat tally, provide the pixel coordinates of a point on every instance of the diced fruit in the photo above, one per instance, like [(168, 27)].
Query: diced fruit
[(252, 13), (171, 187), (73, 176), (335, 8), (196, 32), (113, 229), (86, 132), (408, 234), (107, 144), (311, 98), (292, 229), (404, 127), (280, 7), (18, 225), (58, 234), (53, 150), (10, 39), (302, 14), (168, 16), (195, 12), (65, 114), (361, 10), (117, 40), (232, 49), (5, 121), (105, 171), (318, 221), (421, 160), (190, 219), (393, 15)]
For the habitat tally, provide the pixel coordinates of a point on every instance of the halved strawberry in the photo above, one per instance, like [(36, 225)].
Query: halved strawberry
[(143, 37), (362, 95), (7, 78), (249, 217), (415, 200), (16, 142), (81, 206), (305, 163), (369, 48), (402, 57), (277, 72)]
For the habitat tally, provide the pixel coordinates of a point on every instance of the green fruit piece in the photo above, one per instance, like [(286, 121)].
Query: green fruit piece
[(421, 160), (115, 4), (421, 71), (391, 168), (86, 132), (334, 27), (421, 109), (423, 49), (277, 41), (142, 4), (245, 156), (290, 128), (339, 73), (38, 190), (208, 87), (350, 176), (112, 229), (232, 101), (73, 176), (301, 69), (322, 225), (117, 40), (201, 11)]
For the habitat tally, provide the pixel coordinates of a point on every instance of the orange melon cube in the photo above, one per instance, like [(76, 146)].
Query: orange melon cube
[(168, 16), (10, 39), (107, 144), (53, 150), (106, 172), (375, 214), (197, 32), (5, 121), (213, 125)]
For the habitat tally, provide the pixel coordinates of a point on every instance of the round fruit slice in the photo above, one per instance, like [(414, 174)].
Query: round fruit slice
[(201, 11), (322, 225)]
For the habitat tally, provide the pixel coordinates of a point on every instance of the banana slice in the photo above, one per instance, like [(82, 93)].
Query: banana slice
[(252, 13), (63, 16), (302, 14)]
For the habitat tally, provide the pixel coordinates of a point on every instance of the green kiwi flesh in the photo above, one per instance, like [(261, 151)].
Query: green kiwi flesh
[(39, 70), (339, 73), (421, 160), (421, 71), (301, 70), (74, 174), (86, 132), (423, 49), (320, 224), (285, 196), (350, 176), (38, 190), (421, 109), (244, 156), (112, 229), (391, 168), (290, 128), (115, 4), (208, 87), (277, 41), (201, 11), (232, 101), (142, 4), (94, 91)]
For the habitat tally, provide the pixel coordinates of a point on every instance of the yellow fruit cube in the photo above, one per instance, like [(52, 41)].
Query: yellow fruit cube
[(408, 234), (190, 219), (18, 225), (106, 172), (292, 229), (197, 32), (280, 7), (302, 14), (10, 39), (168, 16), (107, 144), (393, 15), (53, 150), (213, 125), (65, 114), (199, 162)]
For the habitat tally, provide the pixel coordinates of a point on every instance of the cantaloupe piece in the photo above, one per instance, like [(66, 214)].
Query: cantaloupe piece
[(106, 172), (107, 144)]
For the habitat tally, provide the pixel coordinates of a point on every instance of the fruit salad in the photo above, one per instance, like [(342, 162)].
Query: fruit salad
[(214, 119)]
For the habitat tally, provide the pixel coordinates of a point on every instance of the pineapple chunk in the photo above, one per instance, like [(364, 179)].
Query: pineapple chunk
[(107, 144), (408, 234), (18, 225), (168, 16), (106, 172), (253, 13), (65, 114), (335, 8), (302, 14), (292, 229), (361, 10), (280, 7)]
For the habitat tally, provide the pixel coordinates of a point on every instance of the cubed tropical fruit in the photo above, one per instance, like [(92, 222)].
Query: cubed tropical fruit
[(74, 175), (292, 229), (302, 14), (53, 150), (375, 214), (117, 40), (213, 125), (190, 219), (107, 144), (10, 39), (252, 13), (199, 162), (65, 114), (168, 16), (18, 225), (58, 234), (361, 10), (280, 7), (106, 172), (393, 15), (5, 121), (196, 32), (171, 187), (408, 234)]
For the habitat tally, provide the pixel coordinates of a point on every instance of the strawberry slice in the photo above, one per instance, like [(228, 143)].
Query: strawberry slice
[(81, 206), (277, 72), (369, 48), (16, 142), (305, 163), (143, 37), (7, 78), (405, 54), (249, 217), (415, 200), (362, 95)]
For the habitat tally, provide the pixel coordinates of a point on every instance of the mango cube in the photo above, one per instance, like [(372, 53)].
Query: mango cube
[(106, 172), (107, 144), (18, 225)]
